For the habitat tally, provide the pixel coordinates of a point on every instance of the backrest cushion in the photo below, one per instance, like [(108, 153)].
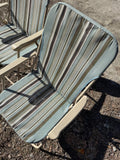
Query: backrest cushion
[(75, 50), (28, 14)]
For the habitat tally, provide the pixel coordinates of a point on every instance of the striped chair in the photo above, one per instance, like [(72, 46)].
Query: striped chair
[(75, 51), (26, 18)]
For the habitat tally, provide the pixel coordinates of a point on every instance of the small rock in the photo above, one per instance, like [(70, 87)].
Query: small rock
[(106, 126), (109, 147), (19, 155), (9, 145), (9, 156), (114, 149), (31, 155)]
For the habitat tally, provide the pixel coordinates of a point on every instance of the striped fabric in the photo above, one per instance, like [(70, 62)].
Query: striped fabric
[(27, 17), (32, 107), (8, 35), (75, 50), (28, 14)]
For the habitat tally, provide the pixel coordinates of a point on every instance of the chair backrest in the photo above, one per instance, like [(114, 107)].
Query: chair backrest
[(29, 15), (75, 50)]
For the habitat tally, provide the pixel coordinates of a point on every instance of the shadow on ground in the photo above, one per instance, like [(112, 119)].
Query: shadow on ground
[(91, 133)]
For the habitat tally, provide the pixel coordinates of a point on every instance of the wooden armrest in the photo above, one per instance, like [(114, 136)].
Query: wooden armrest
[(27, 41), (3, 4), (74, 111), (10, 67)]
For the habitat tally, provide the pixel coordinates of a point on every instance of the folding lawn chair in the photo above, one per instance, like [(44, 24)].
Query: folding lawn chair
[(26, 18), (75, 51)]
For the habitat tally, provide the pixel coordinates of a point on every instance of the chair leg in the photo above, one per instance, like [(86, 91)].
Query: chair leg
[(9, 80)]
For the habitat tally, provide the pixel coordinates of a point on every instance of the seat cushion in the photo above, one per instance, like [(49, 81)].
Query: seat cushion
[(9, 34), (32, 107)]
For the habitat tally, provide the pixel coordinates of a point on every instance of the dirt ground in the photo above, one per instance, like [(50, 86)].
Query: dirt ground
[(95, 132)]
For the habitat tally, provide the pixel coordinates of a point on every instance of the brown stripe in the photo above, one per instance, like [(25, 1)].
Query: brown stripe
[(37, 29), (42, 99), (54, 37), (29, 17), (8, 29), (19, 93), (75, 53), (19, 38), (45, 14), (32, 100), (88, 56), (25, 19), (49, 108), (101, 38), (91, 66), (70, 46), (33, 132), (57, 57), (49, 42), (15, 16)]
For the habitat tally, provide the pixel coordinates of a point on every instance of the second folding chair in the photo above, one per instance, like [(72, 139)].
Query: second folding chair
[(26, 17)]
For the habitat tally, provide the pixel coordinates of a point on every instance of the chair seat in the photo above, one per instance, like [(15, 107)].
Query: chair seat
[(32, 107), (10, 34)]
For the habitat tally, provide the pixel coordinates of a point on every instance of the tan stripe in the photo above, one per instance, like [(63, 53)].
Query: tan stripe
[(68, 50), (52, 34), (14, 11), (37, 29), (81, 40), (51, 37), (33, 132), (28, 17), (41, 114), (33, 19), (21, 13), (8, 29), (91, 66), (54, 37), (16, 14), (4, 46), (19, 92), (10, 56), (63, 44), (42, 99), (24, 99), (13, 32), (25, 18), (87, 59), (84, 59), (45, 15)]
